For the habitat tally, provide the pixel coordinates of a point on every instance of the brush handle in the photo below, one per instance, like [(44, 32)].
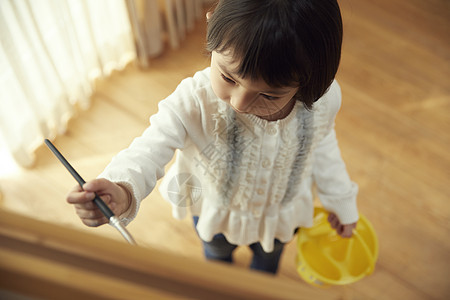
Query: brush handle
[(99, 202)]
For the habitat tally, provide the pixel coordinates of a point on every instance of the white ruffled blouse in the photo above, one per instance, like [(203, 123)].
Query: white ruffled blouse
[(245, 177)]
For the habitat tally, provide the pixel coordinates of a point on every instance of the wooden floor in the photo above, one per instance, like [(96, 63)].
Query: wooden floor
[(393, 129)]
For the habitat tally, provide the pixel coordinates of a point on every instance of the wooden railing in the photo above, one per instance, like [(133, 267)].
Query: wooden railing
[(49, 261)]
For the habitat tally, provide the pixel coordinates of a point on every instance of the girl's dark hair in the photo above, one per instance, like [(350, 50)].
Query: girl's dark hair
[(284, 42)]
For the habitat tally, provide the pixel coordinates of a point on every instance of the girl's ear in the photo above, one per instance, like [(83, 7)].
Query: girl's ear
[(208, 15)]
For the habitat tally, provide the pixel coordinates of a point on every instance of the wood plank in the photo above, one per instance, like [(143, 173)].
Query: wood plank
[(103, 268)]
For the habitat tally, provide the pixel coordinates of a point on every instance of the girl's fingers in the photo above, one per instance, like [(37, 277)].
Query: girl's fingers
[(345, 231), (334, 221), (99, 186), (79, 197), (89, 214), (87, 205), (94, 222), (91, 205), (85, 198), (348, 230), (76, 188)]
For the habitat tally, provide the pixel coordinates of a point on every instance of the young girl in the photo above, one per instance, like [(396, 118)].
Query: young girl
[(255, 133)]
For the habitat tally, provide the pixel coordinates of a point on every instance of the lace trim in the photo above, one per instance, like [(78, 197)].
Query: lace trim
[(237, 149), (304, 134)]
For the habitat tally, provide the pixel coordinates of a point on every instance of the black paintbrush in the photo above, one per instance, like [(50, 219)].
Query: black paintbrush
[(113, 220)]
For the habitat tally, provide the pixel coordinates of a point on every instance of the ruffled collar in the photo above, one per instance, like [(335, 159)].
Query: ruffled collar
[(281, 123)]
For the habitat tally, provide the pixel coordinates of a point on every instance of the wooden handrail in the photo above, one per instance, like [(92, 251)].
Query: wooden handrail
[(47, 260)]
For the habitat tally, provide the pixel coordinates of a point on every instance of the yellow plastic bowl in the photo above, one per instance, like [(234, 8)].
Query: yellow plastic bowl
[(324, 258)]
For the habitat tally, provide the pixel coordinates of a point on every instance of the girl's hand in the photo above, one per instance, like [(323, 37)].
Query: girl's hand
[(345, 231), (115, 196)]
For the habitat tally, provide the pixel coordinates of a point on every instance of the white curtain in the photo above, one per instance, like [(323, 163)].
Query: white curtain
[(51, 52), (155, 21)]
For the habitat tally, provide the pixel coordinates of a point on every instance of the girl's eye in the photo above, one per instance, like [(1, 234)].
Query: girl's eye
[(227, 79), (269, 97)]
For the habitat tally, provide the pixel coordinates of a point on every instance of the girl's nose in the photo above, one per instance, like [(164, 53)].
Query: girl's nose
[(242, 102)]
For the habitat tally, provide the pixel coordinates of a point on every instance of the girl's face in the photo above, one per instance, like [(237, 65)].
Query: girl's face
[(249, 96)]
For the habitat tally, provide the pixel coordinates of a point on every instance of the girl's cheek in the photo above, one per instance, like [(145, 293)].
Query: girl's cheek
[(219, 89)]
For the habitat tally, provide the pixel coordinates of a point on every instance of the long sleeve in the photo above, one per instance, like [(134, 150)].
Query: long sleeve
[(335, 189), (140, 165)]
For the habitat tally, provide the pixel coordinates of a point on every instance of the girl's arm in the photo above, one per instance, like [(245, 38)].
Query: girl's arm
[(138, 167), (336, 190)]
